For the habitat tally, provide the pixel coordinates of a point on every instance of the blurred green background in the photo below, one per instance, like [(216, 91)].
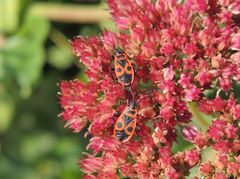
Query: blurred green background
[(35, 55)]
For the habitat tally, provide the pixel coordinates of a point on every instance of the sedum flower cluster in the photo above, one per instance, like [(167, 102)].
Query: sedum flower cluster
[(183, 51)]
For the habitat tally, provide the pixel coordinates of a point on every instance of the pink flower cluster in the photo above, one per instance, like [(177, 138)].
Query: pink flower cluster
[(182, 50)]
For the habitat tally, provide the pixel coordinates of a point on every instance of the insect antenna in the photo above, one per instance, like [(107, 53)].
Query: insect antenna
[(114, 50), (142, 99), (106, 43)]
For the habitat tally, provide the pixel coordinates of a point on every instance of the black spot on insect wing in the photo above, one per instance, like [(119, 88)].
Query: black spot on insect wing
[(122, 63), (127, 119), (129, 68), (129, 129), (126, 78), (119, 69), (119, 125), (121, 135)]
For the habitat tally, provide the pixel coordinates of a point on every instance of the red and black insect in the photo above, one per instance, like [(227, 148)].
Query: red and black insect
[(124, 69), (127, 121)]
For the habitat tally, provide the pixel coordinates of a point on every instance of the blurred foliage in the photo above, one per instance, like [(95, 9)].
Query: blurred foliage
[(9, 12), (35, 55), (22, 56)]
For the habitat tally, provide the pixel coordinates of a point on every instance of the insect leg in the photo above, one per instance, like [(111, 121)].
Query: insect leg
[(134, 66), (136, 74), (154, 118), (116, 114), (137, 127), (138, 115), (133, 63), (114, 79)]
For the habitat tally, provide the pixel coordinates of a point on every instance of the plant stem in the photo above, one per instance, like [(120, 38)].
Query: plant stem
[(71, 13), (58, 38)]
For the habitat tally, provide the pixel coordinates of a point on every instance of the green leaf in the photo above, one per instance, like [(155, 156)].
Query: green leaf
[(60, 57), (210, 93), (236, 90), (221, 25), (193, 172), (180, 1), (209, 154), (9, 15), (199, 119), (33, 147), (108, 24), (181, 144), (35, 29), (82, 75), (143, 86), (68, 146), (6, 110), (48, 168), (22, 56)]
